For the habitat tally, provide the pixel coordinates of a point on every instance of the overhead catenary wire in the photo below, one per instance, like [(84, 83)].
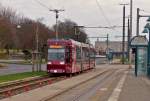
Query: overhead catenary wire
[(56, 11), (99, 5), (43, 5), (145, 11), (105, 17), (48, 8), (103, 13)]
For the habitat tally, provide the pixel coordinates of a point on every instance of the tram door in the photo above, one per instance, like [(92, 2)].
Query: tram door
[(141, 61)]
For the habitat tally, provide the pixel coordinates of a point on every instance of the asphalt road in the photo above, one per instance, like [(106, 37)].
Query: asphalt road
[(15, 68)]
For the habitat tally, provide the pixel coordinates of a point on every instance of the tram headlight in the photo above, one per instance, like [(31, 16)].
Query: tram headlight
[(49, 63), (62, 63)]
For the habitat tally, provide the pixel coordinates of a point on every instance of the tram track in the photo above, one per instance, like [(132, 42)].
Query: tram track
[(77, 94), (26, 85), (81, 83), (18, 82), (99, 84), (20, 86)]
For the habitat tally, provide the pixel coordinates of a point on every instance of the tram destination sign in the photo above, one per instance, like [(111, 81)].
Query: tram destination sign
[(139, 41)]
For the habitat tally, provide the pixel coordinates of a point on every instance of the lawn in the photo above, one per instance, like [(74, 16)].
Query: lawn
[(12, 77), (21, 62)]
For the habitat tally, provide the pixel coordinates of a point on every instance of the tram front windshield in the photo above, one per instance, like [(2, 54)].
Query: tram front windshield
[(56, 54)]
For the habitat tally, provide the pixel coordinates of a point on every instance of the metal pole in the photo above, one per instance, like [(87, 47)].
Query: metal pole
[(37, 46), (56, 25), (136, 59), (129, 36), (137, 27), (123, 38), (131, 8), (33, 61), (107, 40), (148, 60), (56, 11), (37, 37)]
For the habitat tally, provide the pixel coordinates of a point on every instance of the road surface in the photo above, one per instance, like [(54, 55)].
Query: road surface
[(16, 68)]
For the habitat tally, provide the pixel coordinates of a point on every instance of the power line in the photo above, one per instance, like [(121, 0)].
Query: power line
[(43, 5), (145, 11), (103, 13), (55, 11)]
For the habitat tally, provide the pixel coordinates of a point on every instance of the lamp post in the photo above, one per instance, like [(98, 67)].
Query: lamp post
[(17, 39), (147, 30), (38, 57)]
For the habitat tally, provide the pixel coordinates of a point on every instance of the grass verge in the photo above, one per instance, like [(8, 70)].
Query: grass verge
[(24, 62), (18, 76)]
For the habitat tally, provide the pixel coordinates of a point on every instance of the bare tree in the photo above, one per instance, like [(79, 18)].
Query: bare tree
[(66, 30), (6, 36)]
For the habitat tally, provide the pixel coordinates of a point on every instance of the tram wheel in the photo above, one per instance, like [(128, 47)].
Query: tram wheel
[(50, 75)]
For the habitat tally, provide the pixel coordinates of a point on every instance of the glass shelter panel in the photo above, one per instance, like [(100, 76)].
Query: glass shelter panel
[(141, 61)]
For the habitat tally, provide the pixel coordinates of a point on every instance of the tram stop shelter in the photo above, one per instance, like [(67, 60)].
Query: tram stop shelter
[(140, 43)]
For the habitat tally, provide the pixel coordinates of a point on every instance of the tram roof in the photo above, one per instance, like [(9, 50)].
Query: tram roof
[(70, 41)]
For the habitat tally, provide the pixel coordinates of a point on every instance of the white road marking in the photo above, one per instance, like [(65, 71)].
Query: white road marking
[(103, 89), (115, 94)]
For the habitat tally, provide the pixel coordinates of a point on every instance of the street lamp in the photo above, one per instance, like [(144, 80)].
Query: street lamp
[(37, 54), (147, 30), (17, 39)]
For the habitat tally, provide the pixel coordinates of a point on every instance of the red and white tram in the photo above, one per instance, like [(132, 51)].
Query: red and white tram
[(69, 56)]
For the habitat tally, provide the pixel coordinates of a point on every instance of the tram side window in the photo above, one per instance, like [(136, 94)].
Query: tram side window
[(92, 54), (78, 53), (68, 55), (85, 54)]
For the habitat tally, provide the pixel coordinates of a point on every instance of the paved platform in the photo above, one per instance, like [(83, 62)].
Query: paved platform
[(135, 88), (54, 89)]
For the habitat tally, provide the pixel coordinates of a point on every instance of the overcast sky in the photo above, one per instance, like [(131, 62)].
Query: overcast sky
[(83, 12)]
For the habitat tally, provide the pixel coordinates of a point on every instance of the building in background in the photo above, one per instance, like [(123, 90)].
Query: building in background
[(115, 46)]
